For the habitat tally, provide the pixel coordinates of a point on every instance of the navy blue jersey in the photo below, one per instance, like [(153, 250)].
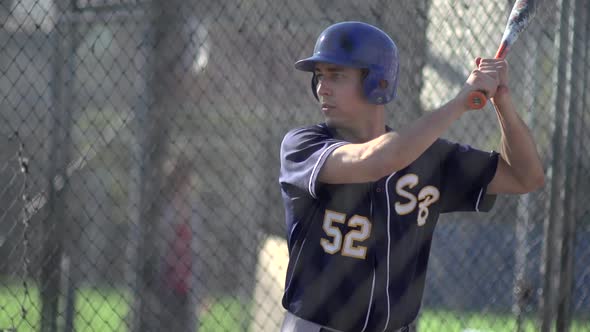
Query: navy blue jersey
[(358, 252)]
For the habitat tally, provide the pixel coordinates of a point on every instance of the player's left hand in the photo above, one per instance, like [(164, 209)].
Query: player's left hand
[(495, 67)]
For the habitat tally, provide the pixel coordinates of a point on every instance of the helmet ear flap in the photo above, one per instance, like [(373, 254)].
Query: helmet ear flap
[(371, 86), (378, 90)]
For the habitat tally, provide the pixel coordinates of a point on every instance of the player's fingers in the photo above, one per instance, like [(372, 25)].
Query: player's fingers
[(495, 69), (491, 60), (477, 61), (487, 82), (488, 68), (492, 72), (492, 65), (490, 79), (492, 68), (483, 63), (494, 62), (499, 63)]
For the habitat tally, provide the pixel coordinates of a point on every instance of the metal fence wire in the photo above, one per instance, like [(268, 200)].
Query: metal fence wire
[(139, 153)]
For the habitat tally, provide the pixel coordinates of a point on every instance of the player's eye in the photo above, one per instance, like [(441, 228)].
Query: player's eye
[(338, 76), (319, 77)]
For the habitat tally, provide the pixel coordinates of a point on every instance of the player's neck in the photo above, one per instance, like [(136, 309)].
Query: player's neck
[(364, 130)]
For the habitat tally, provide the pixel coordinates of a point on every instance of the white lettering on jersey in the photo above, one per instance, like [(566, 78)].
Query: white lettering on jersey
[(410, 181), (426, 197), (360, 232), (332, 247)]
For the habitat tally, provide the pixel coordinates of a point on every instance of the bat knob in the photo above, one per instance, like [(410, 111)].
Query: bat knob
[(476, 100)]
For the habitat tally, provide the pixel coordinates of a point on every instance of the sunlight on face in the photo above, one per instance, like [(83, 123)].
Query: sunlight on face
[(340, 91)]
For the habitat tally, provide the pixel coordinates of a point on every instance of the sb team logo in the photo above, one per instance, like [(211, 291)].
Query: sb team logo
[(426, 197)]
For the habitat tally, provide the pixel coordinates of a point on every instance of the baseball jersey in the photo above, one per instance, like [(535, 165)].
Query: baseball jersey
[(358, 252)]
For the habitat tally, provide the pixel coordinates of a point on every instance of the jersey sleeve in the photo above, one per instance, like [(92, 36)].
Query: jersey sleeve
[(303, 153), (466, 173)]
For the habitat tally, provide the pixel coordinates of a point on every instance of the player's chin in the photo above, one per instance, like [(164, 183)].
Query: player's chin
[(331, 121)]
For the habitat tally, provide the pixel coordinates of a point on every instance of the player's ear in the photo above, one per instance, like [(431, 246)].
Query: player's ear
[(364, 73)]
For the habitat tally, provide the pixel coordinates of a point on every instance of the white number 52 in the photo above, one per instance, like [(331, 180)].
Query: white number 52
[(360, 232)]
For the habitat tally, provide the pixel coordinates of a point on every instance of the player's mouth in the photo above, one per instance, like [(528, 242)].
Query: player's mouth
[(327, 107)]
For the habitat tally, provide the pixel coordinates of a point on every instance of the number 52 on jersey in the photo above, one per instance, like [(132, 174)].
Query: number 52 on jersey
[(360, 226)]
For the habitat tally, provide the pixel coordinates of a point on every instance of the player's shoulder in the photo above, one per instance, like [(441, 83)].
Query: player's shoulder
[(441, 146), (440, 150), (307, 133), (445, 148), (316, 129)]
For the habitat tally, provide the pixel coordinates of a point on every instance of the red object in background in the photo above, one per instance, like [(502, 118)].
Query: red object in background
[(179, 260)]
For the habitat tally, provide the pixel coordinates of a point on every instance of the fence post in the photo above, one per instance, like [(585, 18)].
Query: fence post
[(138, 176), (552, 227), (163, 88), (57, 180), (522, 288), (576, 105)]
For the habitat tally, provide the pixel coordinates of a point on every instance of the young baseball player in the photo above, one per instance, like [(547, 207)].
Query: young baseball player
[(362, 200)]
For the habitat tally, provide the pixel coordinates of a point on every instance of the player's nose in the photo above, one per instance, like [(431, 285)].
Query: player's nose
[(323, 89)]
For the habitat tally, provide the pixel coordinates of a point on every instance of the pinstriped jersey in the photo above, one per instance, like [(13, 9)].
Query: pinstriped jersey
[(358, 252)]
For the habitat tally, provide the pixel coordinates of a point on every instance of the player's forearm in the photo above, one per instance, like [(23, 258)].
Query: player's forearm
[(396, 150), (517, 146)]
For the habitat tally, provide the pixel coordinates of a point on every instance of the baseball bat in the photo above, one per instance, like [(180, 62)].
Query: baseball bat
[(520, 16)]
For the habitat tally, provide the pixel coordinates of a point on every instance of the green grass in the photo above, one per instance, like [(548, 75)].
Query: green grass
[(489, 322), (101, 310), (12, 300), (224, 315), (105, 310)]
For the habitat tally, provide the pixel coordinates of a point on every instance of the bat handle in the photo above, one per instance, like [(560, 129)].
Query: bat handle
[(476, 100)]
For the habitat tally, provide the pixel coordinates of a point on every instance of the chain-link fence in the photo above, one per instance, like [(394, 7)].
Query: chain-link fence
[(139, 161)]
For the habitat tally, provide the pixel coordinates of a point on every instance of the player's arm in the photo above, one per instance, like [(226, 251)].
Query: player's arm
[(519, 169), (393, 151)]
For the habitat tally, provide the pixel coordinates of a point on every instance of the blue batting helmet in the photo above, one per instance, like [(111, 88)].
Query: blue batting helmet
[(358, 45)]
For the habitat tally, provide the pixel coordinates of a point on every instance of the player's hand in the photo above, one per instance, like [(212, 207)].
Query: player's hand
[(499, 66), (486, 80)]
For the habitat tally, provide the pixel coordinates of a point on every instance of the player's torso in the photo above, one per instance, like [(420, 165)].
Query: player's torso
[(403, 205), (358, 232), (406, 210)]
